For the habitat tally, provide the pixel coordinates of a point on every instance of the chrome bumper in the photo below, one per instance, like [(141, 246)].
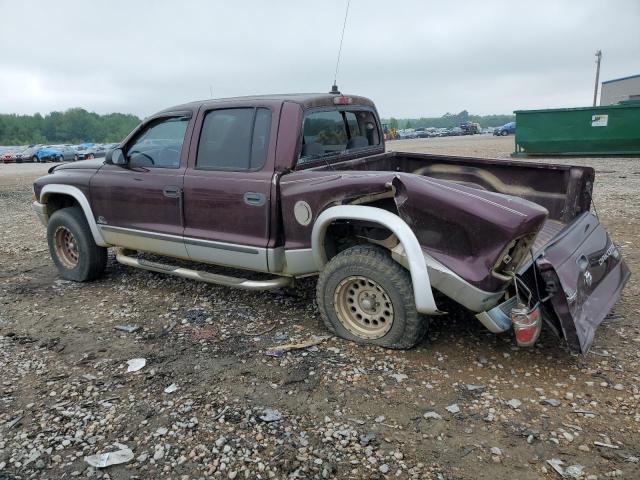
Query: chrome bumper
[(41, 212)]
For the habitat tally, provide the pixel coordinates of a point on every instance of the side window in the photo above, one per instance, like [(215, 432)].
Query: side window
[(234, 139), (160, 144), (335, 131), (323, 132)]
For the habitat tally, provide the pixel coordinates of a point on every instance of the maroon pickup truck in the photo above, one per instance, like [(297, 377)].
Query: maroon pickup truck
[(297, 185)]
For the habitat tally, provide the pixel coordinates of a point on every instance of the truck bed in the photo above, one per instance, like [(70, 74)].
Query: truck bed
[(565, 191)]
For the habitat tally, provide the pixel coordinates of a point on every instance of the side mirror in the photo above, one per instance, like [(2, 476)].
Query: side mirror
[(116, 157)]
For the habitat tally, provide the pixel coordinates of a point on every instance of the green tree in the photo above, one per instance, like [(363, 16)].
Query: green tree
[(393, 123), (75, 125)]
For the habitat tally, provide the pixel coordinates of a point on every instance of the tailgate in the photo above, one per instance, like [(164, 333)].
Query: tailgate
[(584, 274)]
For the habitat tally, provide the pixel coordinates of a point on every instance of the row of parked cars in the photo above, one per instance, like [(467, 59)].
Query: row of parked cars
[(429, 132), (54, 153), (469, 128)]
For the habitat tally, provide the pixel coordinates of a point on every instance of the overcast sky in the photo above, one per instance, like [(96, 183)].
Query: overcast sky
[(413, 58)]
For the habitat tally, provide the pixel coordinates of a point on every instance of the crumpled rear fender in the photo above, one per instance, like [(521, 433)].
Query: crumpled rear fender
[(465, 228)]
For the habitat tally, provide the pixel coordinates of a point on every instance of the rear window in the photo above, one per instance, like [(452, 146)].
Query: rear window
[(234, 139), (331, 132)]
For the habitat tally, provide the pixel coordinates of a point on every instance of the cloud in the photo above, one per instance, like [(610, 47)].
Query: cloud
[(414, 58)]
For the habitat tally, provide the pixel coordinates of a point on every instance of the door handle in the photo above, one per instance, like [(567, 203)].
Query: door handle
[(255, 199), (171, 191)]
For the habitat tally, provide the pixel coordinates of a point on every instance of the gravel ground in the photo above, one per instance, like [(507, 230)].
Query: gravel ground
[(465, 404)]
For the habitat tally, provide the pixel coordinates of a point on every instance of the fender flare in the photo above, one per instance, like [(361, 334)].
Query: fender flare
[(425, 303), (76, 193)]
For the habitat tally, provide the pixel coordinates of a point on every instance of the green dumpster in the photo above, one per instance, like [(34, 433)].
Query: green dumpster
[(610, 130)]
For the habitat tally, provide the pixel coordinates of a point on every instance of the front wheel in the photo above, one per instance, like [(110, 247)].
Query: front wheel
[(72, 246), (366, 297), (504, 133)]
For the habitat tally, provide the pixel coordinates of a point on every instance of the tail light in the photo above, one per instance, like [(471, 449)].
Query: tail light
[(342, 100), (527, 324)]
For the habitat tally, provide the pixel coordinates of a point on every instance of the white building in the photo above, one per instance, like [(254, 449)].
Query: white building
[(620, 89)]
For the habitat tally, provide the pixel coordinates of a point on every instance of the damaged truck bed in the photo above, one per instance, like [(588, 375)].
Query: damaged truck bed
[(298, 185)]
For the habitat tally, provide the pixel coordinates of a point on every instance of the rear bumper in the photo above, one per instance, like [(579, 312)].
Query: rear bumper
[(41, 212)]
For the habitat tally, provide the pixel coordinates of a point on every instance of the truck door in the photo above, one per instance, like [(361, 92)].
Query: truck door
[(139, 205), (228, 187)]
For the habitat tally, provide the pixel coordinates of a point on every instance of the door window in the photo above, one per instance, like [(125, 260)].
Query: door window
[(160, 144), (234, 139)]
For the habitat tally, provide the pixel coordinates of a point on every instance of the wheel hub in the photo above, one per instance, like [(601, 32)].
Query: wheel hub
[(363, 307), (66, 247)]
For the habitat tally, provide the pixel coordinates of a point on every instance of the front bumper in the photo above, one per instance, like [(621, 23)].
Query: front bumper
[(41, 212)]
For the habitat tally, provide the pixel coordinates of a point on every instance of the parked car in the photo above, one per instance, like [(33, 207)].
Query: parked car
[(30, 154), (48, 154), (393, 236), (66, 153), (470, 128), (9, 155), (506, 129), (85, 151)]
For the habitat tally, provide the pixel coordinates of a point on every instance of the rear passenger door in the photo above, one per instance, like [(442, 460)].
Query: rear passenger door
[(227, 187)]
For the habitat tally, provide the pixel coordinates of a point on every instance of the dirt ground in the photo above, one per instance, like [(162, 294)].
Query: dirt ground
[(334, 410)]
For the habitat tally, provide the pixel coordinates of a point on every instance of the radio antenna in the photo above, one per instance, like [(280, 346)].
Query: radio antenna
[(334, 88)]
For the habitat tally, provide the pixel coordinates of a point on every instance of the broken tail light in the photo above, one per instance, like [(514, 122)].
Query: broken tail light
[(527, 324)]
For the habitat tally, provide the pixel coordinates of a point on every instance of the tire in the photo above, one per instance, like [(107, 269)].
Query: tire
[(35, 159), (75, 158), (397, 322), (90, 156), (72, 248), (504, 133)]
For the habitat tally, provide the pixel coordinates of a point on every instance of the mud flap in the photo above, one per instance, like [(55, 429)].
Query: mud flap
[(584, 275)]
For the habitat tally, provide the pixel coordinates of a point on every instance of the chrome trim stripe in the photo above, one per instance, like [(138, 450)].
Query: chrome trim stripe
[(425, 303), (220, 246), (187, 240)]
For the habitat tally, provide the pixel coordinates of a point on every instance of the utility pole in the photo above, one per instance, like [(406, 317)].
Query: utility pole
[(595, 90)]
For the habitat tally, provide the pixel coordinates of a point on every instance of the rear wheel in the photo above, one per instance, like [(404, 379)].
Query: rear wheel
[(90, 156), (366, 297), (34, 159), (72, 247)]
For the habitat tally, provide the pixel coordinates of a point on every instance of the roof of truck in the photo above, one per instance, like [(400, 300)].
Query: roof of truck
[(306, 100)]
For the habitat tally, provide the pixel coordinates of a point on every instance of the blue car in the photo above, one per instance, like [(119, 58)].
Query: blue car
[(505, 129), (49, 154)]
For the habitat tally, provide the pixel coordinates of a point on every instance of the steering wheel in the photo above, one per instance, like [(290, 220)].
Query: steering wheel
[(143, 154)]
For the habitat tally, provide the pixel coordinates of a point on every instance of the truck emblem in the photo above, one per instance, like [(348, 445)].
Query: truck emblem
[(102, 220), (612, 250), (588, 278)]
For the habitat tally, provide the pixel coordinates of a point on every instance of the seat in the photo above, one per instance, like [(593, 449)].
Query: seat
[(357, 142), (312, 149)]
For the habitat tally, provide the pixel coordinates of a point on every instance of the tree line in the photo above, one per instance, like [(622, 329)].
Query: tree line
[(449, 120), (72, 126)]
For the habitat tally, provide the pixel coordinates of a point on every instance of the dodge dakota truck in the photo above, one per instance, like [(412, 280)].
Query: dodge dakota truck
[(289, 186)]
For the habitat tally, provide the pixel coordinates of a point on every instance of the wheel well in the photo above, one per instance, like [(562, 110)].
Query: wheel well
[(56, 201), (343, 234)]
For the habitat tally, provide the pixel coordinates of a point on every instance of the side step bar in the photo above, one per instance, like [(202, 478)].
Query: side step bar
[(270, 284)]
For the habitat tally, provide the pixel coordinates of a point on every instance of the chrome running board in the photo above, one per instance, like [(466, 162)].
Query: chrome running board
[(270, 284)]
